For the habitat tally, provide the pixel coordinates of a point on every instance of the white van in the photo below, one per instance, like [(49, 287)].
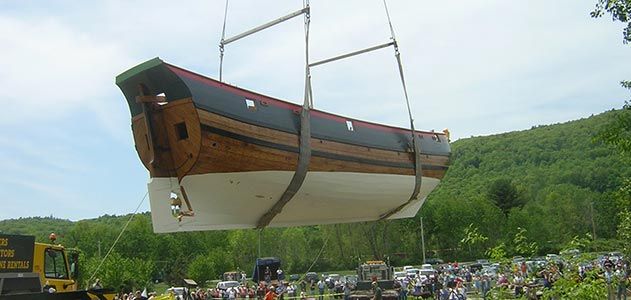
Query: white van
[(224, 285)]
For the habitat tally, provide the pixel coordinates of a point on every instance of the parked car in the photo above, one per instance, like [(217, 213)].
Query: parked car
[(427, 272), (224, 285), (490, 271), (540, 262), (311, 276), (615, 256), (476, 267), (177, 292), (570, 252), (412, 272), (334, 277), (434, 261), (552, 256), (484, 262), (294, 277), (555, 258), (400, 275), (351, 279)]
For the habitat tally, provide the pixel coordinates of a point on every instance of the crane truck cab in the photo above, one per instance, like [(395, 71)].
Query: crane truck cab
[(31, 270)]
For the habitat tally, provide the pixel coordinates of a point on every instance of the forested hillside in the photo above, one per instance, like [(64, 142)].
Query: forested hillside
[(550, 181), (528, 192)]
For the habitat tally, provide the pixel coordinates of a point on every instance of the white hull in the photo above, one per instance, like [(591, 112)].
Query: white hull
[(237, 200)]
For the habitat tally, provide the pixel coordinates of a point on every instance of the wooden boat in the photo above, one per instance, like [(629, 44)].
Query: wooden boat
[(220, 157)]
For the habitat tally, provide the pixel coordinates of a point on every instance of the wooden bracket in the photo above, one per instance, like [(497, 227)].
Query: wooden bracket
[(150, 99)]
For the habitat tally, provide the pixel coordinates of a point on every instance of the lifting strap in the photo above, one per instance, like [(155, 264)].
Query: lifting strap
[(416, 145), (305, 140), (304, 155)]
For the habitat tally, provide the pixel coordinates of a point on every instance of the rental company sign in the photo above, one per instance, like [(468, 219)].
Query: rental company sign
[(16, 253)]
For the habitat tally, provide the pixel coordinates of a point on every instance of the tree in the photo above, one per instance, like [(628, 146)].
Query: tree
[(497, 253), (472, 238), (118, 272), (617, 132), (568, 287), (624, 231), (620, 10), (504, 194), (202, 268), (521, 244)]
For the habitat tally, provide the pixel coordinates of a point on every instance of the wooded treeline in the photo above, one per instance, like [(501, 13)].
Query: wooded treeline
[(520, 193)]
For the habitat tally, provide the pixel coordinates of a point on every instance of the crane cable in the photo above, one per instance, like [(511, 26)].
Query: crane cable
[(221, 45), (398, 56), (316, 259), (118, 238)]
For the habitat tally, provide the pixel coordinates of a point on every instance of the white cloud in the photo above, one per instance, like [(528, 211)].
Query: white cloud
[(52, 70)]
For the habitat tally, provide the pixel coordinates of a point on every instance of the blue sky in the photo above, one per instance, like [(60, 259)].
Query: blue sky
[(475, 67)]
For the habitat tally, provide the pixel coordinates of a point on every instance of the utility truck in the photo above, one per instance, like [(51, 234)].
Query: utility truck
[(31, 270), (381, 274)]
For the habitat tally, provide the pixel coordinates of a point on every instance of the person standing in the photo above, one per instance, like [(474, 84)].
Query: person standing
[(232, 293), (268, 275), (291, 290), (518, 283), (404, 289), (270, 295), (485, 285), (623, 277), (280, 275), (303, 285), (376, 291), (321, 286), (609, 274), (347, 291)]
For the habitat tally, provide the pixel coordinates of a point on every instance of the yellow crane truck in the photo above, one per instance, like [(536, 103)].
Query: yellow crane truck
[(30, 270)]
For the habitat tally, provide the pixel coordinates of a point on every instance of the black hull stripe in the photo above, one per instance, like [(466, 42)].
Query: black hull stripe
[(317, 153)]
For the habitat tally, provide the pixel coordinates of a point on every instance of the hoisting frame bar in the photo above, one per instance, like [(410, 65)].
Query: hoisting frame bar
[(264, 26), (352, 54)]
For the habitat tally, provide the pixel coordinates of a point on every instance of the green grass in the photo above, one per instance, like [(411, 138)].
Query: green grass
[(161, 288)]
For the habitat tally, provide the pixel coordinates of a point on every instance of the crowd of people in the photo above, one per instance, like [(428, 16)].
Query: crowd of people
[(137, 295), (267, 289), (518, 279), (446, 282)]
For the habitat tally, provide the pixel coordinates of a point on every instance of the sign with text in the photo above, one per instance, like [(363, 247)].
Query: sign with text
[(16, 253)]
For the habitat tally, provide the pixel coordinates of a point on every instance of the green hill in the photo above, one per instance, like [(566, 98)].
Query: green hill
[(40, 227), (532, 191), (557, 174)]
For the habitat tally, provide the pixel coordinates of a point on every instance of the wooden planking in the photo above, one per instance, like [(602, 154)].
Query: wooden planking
[(284, 138), (139, 128), (262, 133), (206, 152), (163, 162), (224, 154), (184, 152), (281, 137)]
